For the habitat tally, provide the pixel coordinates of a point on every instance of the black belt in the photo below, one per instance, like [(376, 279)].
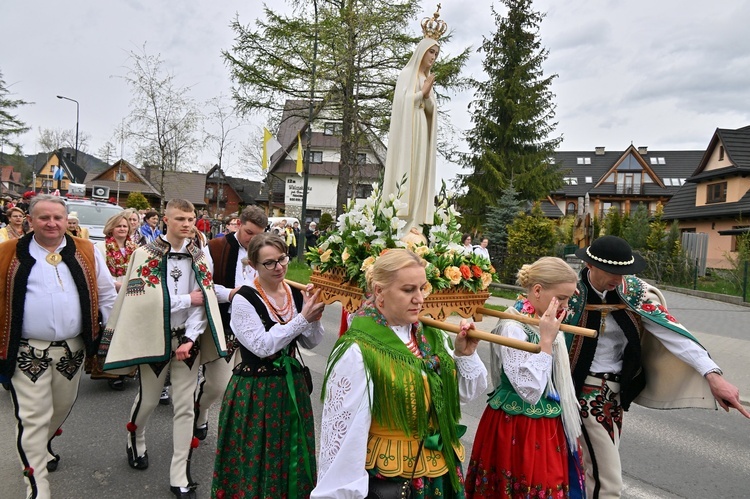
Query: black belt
[(607, 376)]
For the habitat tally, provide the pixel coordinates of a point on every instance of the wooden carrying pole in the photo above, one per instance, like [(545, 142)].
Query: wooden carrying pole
[(565, 328), (483, 335)]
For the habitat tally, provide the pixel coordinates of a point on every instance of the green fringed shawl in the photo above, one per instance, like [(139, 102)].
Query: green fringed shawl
[(399, 398)]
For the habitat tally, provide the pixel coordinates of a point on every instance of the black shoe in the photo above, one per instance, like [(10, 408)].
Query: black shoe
[(164, 397), (52, 463), (200, 432), (137, 463), (190, 494), (116, 384)]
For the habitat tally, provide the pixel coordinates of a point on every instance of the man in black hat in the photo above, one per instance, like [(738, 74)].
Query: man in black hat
[(642, 354)]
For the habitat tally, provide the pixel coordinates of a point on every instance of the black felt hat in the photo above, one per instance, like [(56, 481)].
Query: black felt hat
[(612, 254)]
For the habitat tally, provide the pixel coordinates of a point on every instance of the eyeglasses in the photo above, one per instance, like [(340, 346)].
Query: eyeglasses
[(271, 264)]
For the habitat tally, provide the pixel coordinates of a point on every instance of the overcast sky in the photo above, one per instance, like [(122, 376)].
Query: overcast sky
[(663, 74)]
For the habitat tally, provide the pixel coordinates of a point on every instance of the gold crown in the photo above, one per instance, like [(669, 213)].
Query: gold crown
[(432, 27)]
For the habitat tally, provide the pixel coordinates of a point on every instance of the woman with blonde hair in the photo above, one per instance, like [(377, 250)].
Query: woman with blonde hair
[(116, 249), (531, 425), (134, 219), (15, 228), (392, 390)]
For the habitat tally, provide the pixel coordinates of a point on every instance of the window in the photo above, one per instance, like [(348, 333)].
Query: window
[(361, 158), (721, 153), (658, 160), (716, 193), (333, 128), (570, 209), (210, 192), (48, 184), (570, 180), (628, 183), (121, 177), (584, 161), (362, 191), (735, 236), (316, 156), (589, 180)]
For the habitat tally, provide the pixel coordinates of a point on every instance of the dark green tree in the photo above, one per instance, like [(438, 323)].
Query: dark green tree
[(512, 116), (530, 237), (613, 222), (501, 216), (10, 124), (362, 47), (636, 230)]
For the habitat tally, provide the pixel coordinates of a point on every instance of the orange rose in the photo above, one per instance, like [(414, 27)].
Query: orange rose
[(476, 271), (465, 271)]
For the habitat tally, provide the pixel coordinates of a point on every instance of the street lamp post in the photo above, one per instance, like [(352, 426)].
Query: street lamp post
[(75, 156)]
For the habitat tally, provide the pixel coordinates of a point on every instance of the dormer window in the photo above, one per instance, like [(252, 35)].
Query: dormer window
[(584, 161), (570, 180), (716, 193)]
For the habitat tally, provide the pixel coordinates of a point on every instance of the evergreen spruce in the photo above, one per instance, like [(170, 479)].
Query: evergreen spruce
[(512, 117), (636, 229), (501, 216)]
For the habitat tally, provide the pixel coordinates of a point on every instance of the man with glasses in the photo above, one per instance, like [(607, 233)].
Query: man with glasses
[(231, 272)]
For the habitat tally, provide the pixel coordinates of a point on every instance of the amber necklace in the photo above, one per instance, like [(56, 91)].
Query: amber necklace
[(281, 312)]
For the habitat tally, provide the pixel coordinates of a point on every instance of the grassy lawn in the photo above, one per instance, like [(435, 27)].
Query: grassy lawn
[(299, 272), (499, 308), (504, 293)]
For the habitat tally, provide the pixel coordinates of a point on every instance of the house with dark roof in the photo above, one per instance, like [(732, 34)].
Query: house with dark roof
[(45, 180), (285, 186), (715, 198), (619, 179), (121, 179), (227, 195), (177, 184), (11, 184)]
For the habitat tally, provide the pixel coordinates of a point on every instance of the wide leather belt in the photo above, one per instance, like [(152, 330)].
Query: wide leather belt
[(607, 376)]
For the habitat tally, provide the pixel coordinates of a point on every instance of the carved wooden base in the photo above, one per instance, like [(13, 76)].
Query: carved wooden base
[(439, 304)]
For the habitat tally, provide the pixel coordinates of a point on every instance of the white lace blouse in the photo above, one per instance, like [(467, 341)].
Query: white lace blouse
[(527, 372), (346, 419), (249, 329)]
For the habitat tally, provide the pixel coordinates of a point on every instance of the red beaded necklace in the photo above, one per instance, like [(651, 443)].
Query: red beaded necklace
[(283, 314)]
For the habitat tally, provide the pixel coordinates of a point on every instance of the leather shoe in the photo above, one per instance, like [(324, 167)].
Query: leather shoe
[(190, 494), (52, 463), (117, 384), (200, 432), (137, 463)]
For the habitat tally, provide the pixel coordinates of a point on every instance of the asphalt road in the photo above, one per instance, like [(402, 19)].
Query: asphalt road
[(666, 454)]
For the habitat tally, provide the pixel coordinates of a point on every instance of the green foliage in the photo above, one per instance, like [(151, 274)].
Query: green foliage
[(138, 201), (362, 46), (655, 240), (326, 221), (613, 222), (596, 230), (512, 116), (501, 216), (636, 229), (529, 238), (564, 229), (739, 261), (10, 124), (666, 262)]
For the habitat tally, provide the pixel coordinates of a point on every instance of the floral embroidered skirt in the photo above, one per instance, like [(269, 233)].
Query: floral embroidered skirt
[(518, 457), (262, 442), (431, 488)]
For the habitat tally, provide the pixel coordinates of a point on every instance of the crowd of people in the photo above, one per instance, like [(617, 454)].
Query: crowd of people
[(393, 387)]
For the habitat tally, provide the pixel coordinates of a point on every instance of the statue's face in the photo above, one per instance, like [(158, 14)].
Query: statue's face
[(429, 58)]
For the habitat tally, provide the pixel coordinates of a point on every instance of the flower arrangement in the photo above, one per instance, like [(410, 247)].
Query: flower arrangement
[(371, 227)]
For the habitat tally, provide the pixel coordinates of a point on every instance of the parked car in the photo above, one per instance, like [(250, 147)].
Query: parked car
[(93, 215)]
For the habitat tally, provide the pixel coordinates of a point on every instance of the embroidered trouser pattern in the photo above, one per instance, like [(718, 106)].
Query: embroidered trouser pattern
[(601, 414), (44, 388), (216, 376), (183, 380)]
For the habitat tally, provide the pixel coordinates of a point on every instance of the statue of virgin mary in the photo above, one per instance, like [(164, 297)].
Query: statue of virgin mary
[(412, 138)]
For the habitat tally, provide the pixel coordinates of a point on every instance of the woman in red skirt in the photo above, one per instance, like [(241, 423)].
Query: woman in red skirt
[(531, 423)]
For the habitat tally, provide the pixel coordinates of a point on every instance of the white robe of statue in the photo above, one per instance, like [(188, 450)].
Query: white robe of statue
[(412, 142)]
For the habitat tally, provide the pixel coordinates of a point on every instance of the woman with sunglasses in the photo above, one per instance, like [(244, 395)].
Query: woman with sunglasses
[(267, 401)]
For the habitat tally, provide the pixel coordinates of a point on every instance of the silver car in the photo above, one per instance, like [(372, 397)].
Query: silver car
[(93, 215)]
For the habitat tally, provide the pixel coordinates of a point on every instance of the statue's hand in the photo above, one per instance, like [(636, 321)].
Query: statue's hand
[(427, 87)]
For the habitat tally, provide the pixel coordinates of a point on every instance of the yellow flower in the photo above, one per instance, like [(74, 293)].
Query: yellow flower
[(367, 263), (326, 256), (422, 250), (486, 279), (345, 255), (453, 274)]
